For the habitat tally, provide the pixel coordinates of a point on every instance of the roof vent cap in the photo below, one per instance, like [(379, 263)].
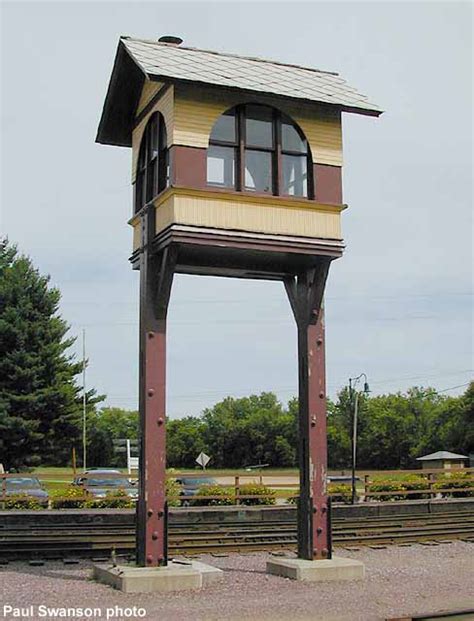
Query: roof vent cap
[(170, 39)]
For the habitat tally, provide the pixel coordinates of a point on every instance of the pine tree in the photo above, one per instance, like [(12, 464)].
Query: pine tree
[(40, 408)]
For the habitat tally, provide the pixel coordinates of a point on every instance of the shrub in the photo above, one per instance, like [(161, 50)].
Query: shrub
[(226, 496), (415, 482), (116, 499), (387, 486), (173, 492), (72, 497), (340, 492), (266, 495), (456, 483), (22, 501)]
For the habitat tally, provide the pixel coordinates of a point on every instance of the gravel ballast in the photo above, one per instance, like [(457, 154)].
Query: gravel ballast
[(400, 581)]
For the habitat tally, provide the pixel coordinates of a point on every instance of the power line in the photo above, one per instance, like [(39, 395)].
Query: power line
[(293, 389)]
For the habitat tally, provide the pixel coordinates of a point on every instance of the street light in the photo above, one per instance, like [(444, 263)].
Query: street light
[(354, 399)]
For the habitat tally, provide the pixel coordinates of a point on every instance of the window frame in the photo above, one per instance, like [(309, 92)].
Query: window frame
[(277, 152), (152, 172)]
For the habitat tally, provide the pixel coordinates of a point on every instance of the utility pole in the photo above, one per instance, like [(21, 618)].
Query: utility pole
[(354, 401), (84, 410)]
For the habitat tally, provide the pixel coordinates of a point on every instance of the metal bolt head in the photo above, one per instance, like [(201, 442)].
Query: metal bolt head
[(321, 395), (160, 514), (319, 530), (325, 552), (151, 335), (149, 559), (319, 341), (315, 509), (154, 535), (160, 421), (149, 512), (151, 392)]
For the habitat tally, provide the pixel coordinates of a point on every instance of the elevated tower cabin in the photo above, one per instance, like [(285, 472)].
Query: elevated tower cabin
[(236, 167)]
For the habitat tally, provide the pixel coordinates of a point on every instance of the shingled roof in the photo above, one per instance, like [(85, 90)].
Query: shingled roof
[(138, 58), (441, 455)]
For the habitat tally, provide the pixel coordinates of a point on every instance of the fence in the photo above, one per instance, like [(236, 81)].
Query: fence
[(244, 488)]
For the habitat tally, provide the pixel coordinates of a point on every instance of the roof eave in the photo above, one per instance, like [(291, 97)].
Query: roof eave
[(115, 125), (351, 109)]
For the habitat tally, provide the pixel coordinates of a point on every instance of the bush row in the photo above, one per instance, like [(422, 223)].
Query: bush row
[(263, 495), (457, 484)]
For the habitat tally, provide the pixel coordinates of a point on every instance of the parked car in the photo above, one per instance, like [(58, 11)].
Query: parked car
[(190, 487), (100, 482), (28, 486)]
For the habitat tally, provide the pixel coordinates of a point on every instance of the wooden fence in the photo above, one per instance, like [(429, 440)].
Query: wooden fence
[(280, 488)]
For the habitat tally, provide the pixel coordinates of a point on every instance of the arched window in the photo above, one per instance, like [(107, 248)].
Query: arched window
[(153, 162), (256, 148)]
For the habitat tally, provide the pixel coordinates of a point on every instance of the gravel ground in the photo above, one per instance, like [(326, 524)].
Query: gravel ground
[(399, 581)]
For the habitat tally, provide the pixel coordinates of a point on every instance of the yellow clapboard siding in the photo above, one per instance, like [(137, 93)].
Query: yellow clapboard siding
[(248, 214), (165, 105), (137, 233), (148, 92)]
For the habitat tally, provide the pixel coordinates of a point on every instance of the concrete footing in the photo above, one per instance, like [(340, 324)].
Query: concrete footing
[(336, 568), (176, 576)]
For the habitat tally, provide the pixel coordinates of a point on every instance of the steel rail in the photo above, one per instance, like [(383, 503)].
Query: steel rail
[(92, 540)]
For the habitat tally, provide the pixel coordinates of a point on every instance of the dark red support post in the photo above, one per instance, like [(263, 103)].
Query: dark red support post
[(156, 276), (305, 292)]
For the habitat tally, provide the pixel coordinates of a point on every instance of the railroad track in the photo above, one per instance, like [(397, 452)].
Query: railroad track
[(94, 540)]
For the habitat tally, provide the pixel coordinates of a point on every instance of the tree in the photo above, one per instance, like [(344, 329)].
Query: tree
[(39, 399), (103, 427)]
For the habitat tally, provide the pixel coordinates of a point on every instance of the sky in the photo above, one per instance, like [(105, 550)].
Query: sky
[(398, 303)]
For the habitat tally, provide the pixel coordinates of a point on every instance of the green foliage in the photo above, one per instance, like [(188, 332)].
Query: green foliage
[(73, 497), (173, 491), (225, 494), (266, 495), (184, 441), (22, 501), (393, 430), (415, 482), (39, 398), (340, 492), (457, 484), (388, 486), (103, 427)]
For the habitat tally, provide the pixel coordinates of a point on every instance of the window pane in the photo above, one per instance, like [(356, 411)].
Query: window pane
[(221, 166), (139, 191), (224, 128), (259, 126), (258, 171), (153, 143), (290, 138), (295, 177), (151, 178)]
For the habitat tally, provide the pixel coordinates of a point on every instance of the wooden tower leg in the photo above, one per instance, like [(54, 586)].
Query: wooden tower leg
[(305, 292), (156, 276)]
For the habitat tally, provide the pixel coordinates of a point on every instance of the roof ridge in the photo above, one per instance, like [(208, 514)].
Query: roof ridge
[(255, 58)]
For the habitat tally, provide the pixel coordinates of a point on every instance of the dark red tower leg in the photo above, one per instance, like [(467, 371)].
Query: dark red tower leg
[(156, 277), (305, 292)]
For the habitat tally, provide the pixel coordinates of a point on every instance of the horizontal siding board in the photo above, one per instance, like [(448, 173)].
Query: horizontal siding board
[(248, 216), (149, 91)]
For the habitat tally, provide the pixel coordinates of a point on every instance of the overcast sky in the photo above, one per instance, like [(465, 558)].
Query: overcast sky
[(398, 304)]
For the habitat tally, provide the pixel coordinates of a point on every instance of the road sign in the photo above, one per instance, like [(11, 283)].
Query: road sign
[(202, 459), (132, 464)]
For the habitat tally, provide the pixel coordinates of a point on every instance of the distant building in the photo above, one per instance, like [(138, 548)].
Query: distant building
[(442, 459)]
